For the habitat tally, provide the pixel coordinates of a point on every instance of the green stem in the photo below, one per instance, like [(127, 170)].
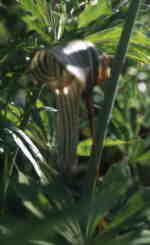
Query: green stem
[(110, 95)]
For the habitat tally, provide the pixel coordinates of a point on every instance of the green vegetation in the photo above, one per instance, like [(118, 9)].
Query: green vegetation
[(37, 204)]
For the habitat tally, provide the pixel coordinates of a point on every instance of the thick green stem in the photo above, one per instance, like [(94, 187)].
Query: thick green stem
[(110, 95)]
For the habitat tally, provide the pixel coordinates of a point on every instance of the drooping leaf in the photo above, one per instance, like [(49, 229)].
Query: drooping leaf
[(33, 148), (28, 153)]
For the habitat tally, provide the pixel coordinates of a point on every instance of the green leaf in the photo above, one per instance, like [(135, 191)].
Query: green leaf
[(131, 238), (107, 37), (13, 113), (93, 11), (139, 53), (140, 38), (28, 154), (32, 146), (39, 242), (39, 18), (143, 157), (33, 209), (128, 218), (115, 185), (84, 147), (139, 201), (71, 231), (37, 230), (107, 40)]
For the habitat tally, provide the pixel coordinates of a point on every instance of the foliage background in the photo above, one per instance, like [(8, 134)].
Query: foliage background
[(36, 205)]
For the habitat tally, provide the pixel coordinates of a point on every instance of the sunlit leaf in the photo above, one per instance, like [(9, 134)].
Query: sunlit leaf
[(33, 209), (84, 147), (99, 8), (107, 40), (32, 146), (13, 113), (107, 36), (28, 154), (39, 17), (48, 108), (143, 157)]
